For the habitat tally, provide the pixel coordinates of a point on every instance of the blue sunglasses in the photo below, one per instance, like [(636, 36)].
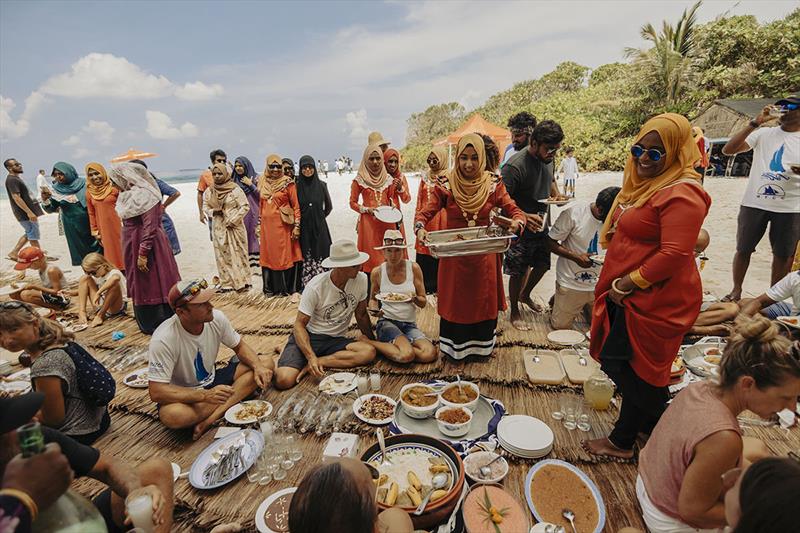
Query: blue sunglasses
[(655, 155), (788, 107)]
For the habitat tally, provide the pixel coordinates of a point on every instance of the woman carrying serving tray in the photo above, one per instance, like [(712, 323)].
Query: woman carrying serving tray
[(470, 287)]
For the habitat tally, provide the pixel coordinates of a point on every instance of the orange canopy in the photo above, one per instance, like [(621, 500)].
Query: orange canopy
[(477, 124), (132, 154)]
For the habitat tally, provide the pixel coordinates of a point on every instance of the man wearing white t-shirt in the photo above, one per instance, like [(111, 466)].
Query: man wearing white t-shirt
[(773, 304), (574, 239), (773, 190), (182, 376), (328, 304)]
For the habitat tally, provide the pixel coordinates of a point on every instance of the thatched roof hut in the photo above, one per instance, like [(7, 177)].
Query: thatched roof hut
[(726, 117)]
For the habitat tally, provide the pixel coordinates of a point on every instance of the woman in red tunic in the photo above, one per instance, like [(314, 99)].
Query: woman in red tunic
[(437, 162), (101, 202), (281, 258), (649, 292), (376, 187), (470, 287)]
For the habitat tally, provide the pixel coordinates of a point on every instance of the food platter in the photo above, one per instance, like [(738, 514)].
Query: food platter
[(477, 240), (137, 379), (338, 383), (555, 201), (560, 493), (362, 401), (791, 321), (701, 358), (481, 419), (248, 412), (388, 214), (393, 297), (251, 442), (277, 505), (566, 337)]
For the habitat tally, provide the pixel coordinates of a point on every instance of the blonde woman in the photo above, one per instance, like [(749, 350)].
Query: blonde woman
[(102, 286)]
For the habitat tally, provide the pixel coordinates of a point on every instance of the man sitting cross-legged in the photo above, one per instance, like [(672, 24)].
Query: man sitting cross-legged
[(329, 301), (183, 350)]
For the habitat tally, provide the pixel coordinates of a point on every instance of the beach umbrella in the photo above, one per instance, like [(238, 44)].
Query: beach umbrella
[(132, 154)]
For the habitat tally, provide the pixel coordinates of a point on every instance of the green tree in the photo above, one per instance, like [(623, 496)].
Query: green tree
[(434, 123)]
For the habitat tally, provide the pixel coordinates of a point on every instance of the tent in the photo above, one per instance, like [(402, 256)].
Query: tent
[(477, 124)]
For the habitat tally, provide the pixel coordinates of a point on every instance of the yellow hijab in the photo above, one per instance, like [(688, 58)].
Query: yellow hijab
[(363, 175), (98, 192), (676, 135), (218, 191), (267, 185), (470, 195), (441, 154)]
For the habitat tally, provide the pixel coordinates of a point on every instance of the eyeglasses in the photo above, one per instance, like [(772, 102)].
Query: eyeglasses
[(191, 290), (394, 242), (551, 151), (303, 167), (655, 155), (276, 167), (788, 107)]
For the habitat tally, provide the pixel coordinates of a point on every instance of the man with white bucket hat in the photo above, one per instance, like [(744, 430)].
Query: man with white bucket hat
[(328, 304)]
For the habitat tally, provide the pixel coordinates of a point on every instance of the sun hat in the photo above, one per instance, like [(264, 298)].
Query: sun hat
[(194, 291), (344, 253), (27, 256), (376, 138), (18, 411), (393, 235)]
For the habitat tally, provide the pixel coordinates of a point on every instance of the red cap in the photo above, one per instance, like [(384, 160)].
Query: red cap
[(28, 255), (180, 294)]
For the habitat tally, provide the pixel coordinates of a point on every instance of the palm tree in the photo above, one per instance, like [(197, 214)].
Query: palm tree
[(668, 63)]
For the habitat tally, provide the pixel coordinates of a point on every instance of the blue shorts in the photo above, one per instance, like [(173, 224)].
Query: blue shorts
[(225, 375), (31, 229), (388, 330), (777, 309)]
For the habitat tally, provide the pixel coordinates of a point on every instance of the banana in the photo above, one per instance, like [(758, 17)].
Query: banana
[(437, 469), (414, 481), (414, 496), (391, 496), (438, 495), (381, 480)]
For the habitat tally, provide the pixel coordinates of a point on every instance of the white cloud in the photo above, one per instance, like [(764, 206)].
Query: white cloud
[(160, 126), (72, 140), (101, 130), (80, 153), (10, 128), (197, 91), (357, 127)]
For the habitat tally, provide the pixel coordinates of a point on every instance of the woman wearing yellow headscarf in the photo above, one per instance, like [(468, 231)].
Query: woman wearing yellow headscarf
[(649, 292), (101, 202), (226, 204), (435, 177), (470, 287)]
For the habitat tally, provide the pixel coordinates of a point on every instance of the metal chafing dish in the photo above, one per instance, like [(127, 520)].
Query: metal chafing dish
[(476, 240)]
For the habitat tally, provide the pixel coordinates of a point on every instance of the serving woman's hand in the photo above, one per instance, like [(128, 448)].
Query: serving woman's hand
[(422, 235), (141, 263), (621, 288)]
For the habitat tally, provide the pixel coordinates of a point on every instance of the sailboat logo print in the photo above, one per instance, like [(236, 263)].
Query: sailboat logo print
[(776, 163), (200, 371)]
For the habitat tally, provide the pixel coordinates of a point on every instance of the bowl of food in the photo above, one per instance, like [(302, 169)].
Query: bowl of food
[(464, 395), (454, 421), (712, 355), (419, 400), (490, 508), (424, 457), (497, 470)]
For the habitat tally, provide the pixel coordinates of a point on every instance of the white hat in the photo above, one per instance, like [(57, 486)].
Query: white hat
[(375, 137), (344, 253), (393, 235)]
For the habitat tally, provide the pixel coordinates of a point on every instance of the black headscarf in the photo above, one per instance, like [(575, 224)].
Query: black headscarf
[(288, 161), (315, 237)]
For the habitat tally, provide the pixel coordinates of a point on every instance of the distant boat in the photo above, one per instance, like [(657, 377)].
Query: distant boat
[(191, 169)]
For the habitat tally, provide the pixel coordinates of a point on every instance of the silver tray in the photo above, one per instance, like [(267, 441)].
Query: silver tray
[(483, 414), (693, 358), (479, 240)]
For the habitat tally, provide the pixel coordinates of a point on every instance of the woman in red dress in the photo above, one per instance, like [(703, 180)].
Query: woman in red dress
[(649, 292), (437, 163), (470, 287), (376, 187), (101, 203)]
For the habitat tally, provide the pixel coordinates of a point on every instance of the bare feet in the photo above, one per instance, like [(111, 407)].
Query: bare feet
[(98, 319), (536, 307), (606, 447), (200, 428), (733, 296), (82, 318), (519, 323)]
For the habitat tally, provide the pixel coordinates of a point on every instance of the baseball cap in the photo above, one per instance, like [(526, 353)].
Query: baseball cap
[(789, 100), (194, 291), (18, 411), (26, 256)]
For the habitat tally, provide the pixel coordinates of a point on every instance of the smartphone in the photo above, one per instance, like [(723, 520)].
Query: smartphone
[(776, 111)]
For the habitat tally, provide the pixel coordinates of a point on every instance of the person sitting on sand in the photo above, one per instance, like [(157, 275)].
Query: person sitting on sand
[(353, 509), (698, 438), (183, 353), (772, 303), (49, 292), (103, 286), (328, 304), (713, 316), (399, 339)]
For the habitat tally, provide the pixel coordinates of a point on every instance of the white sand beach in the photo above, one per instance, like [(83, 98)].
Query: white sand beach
[(197, 257)]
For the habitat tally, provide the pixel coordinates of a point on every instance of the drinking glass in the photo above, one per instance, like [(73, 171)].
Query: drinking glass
[(279, 474), (362, 384), (254, 472), (572, 410), (558, 411), (375, 381), (583, 422)]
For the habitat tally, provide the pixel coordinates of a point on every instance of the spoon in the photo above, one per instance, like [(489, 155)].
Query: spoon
[(485, 470), (569, 515), (438, 482), (382, 443), (461, 394), (581, 358)]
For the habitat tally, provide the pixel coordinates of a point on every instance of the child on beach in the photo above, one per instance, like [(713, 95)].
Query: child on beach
[(49, 291), (103, 286)]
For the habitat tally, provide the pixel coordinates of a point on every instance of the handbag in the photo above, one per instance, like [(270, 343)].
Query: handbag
[(287, 215)]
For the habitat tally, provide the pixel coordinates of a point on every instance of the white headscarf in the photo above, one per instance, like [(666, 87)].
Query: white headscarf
[(138, 190)]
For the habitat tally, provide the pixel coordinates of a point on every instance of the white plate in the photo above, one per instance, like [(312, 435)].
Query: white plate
[(783, 320), (599, 258), (339, 383), (388, 214), (127, 380), (230, 414), (373, 421), (261, 525), (525, 433), (566, 337), (548, 201), (383, 298), (77, 328), (253, 444), (44, 312), (8, 289)]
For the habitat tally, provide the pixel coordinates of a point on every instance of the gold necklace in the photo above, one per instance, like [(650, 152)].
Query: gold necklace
[(470, 223)]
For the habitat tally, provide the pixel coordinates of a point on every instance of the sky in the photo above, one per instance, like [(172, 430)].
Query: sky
[(84, 81)]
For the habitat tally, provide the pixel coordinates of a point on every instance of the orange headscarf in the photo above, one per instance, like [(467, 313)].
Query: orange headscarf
[(267, 185), (470, 195), (98, 192), (386, 156), (676, 135), (377, 182)]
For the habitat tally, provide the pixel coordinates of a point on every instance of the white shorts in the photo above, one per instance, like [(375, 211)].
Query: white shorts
[(659, 522)]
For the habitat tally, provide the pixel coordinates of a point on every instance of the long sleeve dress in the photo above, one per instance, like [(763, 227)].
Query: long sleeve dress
[(229, 237), (470, 287), (281, 257), (428, 263), (370, 229), (75, 221), (103, 219), (251, 220)]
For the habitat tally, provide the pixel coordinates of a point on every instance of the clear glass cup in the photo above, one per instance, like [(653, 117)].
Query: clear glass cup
[(296, 453), (279, 474), (558, 411), (572, 411), (362, 384), (264, 478), (287, 463), (583, 422), (375, 381), (254, 473)]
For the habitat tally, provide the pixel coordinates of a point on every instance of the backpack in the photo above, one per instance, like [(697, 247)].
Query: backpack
[(94, 380)]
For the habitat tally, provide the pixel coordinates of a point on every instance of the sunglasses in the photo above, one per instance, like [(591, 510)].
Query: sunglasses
[(193, 288), (288, 169), (655, 155), (221, 161), (788, 107), (306, 166), (276, 167), (394, 242), (551, 151)]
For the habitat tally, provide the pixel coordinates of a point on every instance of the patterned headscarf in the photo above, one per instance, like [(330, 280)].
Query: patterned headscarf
[(72, 184)]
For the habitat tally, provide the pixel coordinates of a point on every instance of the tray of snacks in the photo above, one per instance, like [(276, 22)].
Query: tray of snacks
[(375, 409), (393, 297), (556, 200), (703, 358), (477, 240), (552, 486), (226, 459)]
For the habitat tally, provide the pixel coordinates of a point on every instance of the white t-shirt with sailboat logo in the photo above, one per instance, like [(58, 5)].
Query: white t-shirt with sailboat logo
[(331, 309), (577, 229), (772, 185)]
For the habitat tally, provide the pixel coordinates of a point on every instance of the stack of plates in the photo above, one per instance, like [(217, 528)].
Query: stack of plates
[(525, 436)]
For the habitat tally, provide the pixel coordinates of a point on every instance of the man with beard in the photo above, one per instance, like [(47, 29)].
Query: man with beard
[(521, 126)]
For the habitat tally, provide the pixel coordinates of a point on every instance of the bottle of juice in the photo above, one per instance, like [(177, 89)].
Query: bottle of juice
[(598, 390)]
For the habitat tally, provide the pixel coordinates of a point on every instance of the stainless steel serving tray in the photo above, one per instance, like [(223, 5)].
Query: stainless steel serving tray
[(478, 240)]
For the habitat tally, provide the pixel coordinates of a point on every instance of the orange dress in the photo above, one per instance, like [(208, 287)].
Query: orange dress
[(278, 250), (657, 241), (370, 229), (439, 220), (103, 218)]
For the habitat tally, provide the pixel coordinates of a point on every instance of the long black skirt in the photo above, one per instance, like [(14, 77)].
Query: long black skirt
[(283, 282), (430, 271), (463, 340), (149, 317)]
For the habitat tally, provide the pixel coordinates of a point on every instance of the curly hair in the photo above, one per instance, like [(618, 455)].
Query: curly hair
[(521, 121), (547, 132), (492, 153)]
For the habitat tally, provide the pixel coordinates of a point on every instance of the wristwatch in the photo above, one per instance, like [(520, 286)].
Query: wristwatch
[(418, 226)]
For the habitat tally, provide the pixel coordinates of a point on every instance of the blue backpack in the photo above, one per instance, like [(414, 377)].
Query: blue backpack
[(94, 380)]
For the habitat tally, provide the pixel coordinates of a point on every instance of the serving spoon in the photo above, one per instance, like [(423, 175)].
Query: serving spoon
[(485, 470), (438, 482), (569, 515), (382, 443)]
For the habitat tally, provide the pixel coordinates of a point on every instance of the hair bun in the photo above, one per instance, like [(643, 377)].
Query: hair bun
[(756, 329)]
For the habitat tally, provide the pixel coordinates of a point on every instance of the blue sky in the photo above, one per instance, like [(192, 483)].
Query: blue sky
[(83, 81)]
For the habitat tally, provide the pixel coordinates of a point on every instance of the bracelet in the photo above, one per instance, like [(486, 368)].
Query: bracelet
[(418, 226), (616, 289), (24, 499)]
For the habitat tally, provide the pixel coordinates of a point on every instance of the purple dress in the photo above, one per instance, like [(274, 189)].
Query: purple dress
[(252, 217)]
